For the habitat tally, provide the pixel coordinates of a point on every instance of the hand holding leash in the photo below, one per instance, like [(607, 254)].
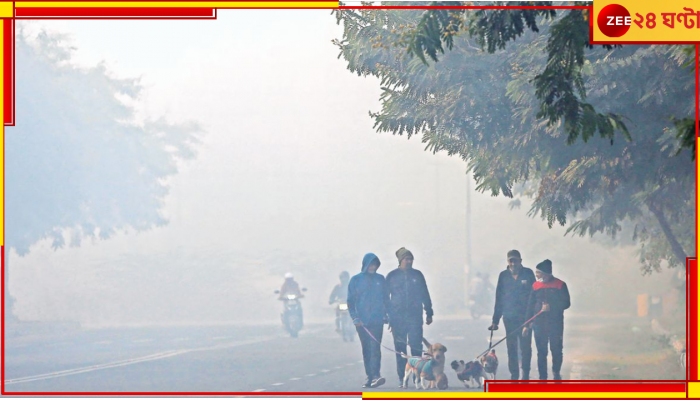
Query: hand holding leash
[(493, 327)]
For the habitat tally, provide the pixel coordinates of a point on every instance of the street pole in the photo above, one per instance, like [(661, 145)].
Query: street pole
[(468, 221)]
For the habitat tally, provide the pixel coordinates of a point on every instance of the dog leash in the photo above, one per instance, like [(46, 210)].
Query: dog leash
[(380, 343), (404, 355), (518, 330)]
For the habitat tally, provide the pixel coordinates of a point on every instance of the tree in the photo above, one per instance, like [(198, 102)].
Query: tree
[(514, 111), (77, 163)]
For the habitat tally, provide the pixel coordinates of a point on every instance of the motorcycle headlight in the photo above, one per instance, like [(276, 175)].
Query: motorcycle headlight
[(343, 307), (291, 297)]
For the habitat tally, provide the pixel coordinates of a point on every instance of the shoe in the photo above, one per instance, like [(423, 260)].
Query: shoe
[(377, 382), (367, 384), (400, 383), (557, 376)]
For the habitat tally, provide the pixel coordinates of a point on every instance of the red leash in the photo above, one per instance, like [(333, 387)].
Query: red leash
[(518, 330)]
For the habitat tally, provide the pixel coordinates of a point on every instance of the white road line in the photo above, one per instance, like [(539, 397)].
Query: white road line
[(337, 367), (294, 379), (349, 364), (277, 384), (325, 370), (259, 390), (310, 375), (122, 363), (58, 374)]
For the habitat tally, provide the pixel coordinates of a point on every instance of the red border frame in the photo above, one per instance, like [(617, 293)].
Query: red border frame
[(502, 386)]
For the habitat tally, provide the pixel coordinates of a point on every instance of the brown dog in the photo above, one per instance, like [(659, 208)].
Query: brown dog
[(437, 353)]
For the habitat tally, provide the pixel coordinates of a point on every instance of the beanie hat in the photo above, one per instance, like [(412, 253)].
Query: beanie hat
[(403, 253), (545, 266)]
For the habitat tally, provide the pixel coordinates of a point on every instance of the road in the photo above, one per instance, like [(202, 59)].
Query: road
[(218, 359)]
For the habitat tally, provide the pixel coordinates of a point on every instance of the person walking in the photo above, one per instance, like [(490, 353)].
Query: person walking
[(367, 304), (512, 294), (408, 296), (551, 295)]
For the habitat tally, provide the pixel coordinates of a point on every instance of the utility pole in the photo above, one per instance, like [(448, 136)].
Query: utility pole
[(468, 259)]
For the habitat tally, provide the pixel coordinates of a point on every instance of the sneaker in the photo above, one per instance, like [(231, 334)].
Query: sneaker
[(377, 382), (400, 383), (367, 384)]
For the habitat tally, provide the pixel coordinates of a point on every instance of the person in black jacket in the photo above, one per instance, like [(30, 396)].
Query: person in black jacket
[(408, 296), (550, 295), (367, 303), (512, 294)]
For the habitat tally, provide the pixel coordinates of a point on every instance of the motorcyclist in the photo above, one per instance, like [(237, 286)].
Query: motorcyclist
[(340, 294), (290, 286)]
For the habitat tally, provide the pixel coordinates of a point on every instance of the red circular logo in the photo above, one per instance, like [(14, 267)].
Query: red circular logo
[(614, 20)]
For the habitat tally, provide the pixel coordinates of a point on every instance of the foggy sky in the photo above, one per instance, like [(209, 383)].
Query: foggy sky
[(290, 176)]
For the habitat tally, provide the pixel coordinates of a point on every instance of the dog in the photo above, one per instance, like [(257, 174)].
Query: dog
[(471, 374), (430, 368), (489, 362), (426, 376)]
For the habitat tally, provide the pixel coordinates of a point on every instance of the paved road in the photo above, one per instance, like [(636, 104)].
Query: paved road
[(216, 359)]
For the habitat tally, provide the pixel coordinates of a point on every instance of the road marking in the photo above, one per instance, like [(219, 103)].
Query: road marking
[(325, 370), (337, 367), (277, 384), (349, 364), (74, 371), (310, 374), (151, 357), (259, 390), (294, 379)]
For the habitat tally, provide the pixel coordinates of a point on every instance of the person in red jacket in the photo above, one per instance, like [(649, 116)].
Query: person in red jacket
[(550, 295)]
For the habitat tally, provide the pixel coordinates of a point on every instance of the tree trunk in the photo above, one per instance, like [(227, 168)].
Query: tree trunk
[(666, 228)]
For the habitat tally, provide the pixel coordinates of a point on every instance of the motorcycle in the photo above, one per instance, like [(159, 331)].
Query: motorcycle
[(292, 315), (347, 328)]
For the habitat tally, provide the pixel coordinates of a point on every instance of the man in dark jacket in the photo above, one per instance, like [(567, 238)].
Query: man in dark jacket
[(408, 295), (512, 293), (550, 295), (367, 304)]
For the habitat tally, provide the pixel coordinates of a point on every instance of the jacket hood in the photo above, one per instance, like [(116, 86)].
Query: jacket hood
[(367, 260)]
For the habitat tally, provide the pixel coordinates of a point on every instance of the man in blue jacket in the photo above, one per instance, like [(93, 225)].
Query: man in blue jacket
[(367, 304), (408, 295)]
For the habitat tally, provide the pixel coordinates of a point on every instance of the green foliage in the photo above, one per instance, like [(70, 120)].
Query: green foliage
[(77, 164), (514, 117)]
